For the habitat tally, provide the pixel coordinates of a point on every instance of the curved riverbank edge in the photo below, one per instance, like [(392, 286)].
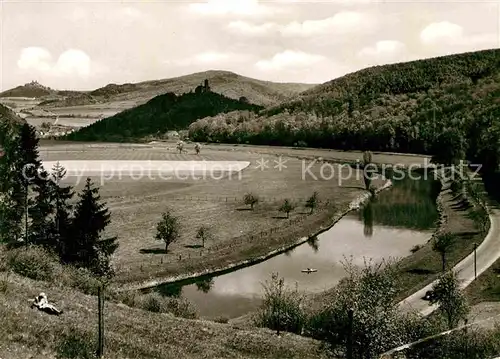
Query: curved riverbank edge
[(354, 204)]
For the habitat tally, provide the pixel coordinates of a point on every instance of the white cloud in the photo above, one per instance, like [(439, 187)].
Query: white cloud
[(384, 48), (72, 62), (449, 34), (439, 32), (289, 59), (246, 28), (35, 58), (342, 22), (227, 7)]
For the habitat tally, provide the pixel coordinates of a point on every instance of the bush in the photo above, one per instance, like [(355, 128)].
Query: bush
[(377, 324), (79, 278), (222, 320), (4, 285), (416, 248), (281, 309), (456, 186), (181, 307), (75, 344), (33, 262), (154, 302)]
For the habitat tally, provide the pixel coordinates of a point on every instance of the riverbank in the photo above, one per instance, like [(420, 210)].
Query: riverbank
[(424, 265)]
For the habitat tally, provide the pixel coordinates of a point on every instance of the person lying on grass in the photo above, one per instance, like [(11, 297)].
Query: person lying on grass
[(43, 304)]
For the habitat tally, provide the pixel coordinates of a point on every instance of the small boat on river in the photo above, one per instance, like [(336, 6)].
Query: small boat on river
[(309, 270)]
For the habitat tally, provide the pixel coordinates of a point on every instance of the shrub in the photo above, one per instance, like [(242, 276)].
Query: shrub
[(281, 309), (79, 278), (33, 262), (456, 186), (152, 302), (75, 344), (222, 320), (377, 324), (181, 307), (4, 285), (416, 248)]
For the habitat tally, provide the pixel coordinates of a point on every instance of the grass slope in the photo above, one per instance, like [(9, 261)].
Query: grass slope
[(163, 113), (129, 333)]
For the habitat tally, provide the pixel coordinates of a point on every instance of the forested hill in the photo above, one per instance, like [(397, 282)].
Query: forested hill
[(8, 116), (161, 114), (448, 106)]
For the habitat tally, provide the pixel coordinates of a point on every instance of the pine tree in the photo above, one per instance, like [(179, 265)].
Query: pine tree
[(10, 187), (42, 229), (60, 197), (26, 168), (86, 248)]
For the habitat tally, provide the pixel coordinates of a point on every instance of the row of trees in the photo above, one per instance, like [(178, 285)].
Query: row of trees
[(36, 208), (168, 229)]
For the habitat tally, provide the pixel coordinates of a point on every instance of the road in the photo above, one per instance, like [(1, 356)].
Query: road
[(487, 253)]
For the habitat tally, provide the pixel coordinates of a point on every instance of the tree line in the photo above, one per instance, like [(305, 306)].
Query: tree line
[(446, 107), (36, 208)]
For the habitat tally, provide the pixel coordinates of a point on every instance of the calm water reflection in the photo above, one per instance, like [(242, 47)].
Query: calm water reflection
[(385, 228)]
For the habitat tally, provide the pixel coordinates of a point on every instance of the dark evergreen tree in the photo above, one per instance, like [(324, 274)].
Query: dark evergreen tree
[(62, 223), (9, 186), (42, 228), (85, 246), (26, 169)]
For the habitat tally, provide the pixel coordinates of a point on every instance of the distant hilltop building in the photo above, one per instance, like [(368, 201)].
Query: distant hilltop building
[(204, 87), (36, 84)]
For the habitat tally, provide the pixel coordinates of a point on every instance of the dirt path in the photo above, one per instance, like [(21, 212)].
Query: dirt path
[(487, 253)]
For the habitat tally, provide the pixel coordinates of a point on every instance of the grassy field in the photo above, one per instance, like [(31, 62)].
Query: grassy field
[(129, 333), (240, 234)]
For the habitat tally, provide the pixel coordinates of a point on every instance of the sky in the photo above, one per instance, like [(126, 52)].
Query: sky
[(86, 44)]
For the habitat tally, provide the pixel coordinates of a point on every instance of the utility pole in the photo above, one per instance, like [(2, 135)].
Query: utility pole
[(26, 213), (350, 315), (475, 262), (100, 308)]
